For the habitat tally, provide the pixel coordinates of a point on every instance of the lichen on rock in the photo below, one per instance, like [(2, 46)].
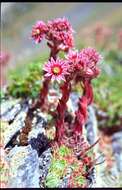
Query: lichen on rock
[(24, 167)]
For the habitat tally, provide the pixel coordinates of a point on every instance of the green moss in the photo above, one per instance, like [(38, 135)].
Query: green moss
[(57, 168), (56, 172), (27, 84), (52, 180), (64, 151), (107, 91), (26, 79), (80, 180)]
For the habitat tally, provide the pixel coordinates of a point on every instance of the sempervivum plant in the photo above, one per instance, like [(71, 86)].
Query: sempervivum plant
[(76, 67), (59, 36), (79, 67), (65, 161)]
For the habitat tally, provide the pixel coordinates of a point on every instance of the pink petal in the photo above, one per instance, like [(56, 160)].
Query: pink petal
[(47, 75), (46, 69), (53, 77), (61, 77)]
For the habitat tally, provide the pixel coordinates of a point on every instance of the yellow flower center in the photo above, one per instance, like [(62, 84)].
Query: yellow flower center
[(56, 70)]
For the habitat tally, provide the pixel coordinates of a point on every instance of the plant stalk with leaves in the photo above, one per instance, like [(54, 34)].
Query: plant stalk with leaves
[(81, 67)]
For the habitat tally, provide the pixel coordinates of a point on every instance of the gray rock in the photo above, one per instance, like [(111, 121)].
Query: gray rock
[(7, 105), (15, 127), (112, 177), (24, 167), (44, 164), (91, 126), (117, 136), (117, 149), (11, 114), (73, 102), (38, 125)]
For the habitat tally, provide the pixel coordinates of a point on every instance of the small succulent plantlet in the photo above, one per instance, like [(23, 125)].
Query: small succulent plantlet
[(64, 160)]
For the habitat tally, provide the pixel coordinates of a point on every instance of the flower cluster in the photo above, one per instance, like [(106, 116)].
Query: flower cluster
[(58, 32), (59, 36), (72, 59), (38, 31), (84, 63), (78, 66), (89, 58)]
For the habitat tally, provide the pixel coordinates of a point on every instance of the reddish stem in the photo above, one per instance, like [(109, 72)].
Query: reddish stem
[(84, 101), (61, 109), (45, 87)]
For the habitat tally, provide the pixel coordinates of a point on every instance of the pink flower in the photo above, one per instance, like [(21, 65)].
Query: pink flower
[(60, 24), (72, 59), (93, 56), (73, 56), (60, 33), (67, 41), (38, 31), (56, 69), (84, 64), (89, 58), (4, 58)]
